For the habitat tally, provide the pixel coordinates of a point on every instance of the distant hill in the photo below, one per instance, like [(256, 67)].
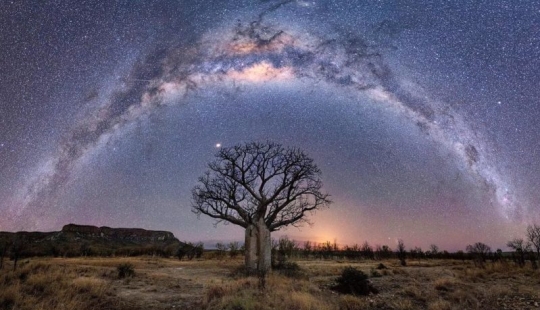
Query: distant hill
[(86, 240)]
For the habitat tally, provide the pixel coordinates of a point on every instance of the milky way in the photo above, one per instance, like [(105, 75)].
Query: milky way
[(272, 49)]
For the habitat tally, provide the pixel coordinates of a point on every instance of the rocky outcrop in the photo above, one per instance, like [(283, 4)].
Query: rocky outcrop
[(120, 234), (75, 240)]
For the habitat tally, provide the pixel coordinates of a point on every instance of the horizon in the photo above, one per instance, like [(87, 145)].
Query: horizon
[(299, 240)]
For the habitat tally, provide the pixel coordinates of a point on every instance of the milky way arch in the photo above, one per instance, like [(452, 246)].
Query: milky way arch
[(257, 52)]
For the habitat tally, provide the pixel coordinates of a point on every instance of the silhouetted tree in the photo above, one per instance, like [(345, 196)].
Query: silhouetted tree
[(284, 250), (261, 187), (533, 236), (383, 252), (220, 249), (460, 255), (479, 251), (307, 248), (433, 250), (401, 252), (367, 250), (520, 248), (234, 249)]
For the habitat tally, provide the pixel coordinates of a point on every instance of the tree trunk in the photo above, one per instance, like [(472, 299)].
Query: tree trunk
[(264, 247), (250, 245)]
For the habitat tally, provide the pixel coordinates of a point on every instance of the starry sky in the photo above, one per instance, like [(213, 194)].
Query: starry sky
[(422, 115)]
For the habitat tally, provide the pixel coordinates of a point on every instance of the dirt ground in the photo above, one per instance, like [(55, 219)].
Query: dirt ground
[(171, 284)]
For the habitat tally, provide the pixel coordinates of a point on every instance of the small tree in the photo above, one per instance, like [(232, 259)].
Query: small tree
[(221, 249), (367, 250), (434, 250), (480, 252), (307, 249), (401, 252), (533, 235), (234, 248), (261, 187), (520, 248)]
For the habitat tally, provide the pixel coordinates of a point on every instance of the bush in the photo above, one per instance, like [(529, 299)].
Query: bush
[(381, 266), (354, 281), (289, 269), (125, 270), (375, 274)]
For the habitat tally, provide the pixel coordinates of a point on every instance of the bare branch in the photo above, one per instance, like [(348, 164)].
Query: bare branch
[(260, 180)]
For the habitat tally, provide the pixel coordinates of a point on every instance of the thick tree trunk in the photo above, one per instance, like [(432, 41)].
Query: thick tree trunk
[(264, 247), (251, 249)]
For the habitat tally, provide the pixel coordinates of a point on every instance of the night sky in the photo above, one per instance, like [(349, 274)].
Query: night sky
[(422, 115)]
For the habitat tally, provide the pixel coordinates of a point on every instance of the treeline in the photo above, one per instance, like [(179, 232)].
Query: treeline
[(523, 250)]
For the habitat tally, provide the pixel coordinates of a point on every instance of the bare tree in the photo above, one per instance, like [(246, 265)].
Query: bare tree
[(401, 252), (533, 235), (234, 248), (261, 187), (479, 251), (521, 248), (434, 250)]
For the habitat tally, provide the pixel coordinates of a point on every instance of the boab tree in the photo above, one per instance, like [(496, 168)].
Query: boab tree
[(261, 187)]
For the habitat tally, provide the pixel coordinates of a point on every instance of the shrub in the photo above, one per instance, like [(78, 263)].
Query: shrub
[(381, 266), (289, 269), (353, 281), (125, 270), (375, 274)]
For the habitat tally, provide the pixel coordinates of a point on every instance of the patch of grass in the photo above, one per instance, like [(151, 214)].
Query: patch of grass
[(444, 284), (440, 305), (125, 270), (349, 302), (48, 285)]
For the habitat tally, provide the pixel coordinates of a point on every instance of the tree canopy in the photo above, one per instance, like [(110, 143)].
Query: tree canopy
[(260, 180)]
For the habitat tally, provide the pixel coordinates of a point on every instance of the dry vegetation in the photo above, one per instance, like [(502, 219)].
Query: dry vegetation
[(93, 283)]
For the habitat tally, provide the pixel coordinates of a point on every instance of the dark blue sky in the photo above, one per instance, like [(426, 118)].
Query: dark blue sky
[(421, 115)]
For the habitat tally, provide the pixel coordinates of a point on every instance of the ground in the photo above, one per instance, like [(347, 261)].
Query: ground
[(93, 283)]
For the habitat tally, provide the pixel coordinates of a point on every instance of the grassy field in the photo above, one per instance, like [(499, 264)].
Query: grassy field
[(93, 283)]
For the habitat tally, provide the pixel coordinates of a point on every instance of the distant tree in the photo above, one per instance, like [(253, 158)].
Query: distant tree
[(261, 187), (520, 248), (533, 236), (221, 249), (307, 248), (479, 251), (284, 250), (460, 255), (183, 250), (199, 249), (327, 249), (189, 250), (401, 252), (383, 252), (234, 249), (367, 250), (419, 252), (434, 250)]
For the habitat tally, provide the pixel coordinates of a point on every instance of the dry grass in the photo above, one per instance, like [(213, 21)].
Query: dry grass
[(280, 293), (46, 285), (92, 283)]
